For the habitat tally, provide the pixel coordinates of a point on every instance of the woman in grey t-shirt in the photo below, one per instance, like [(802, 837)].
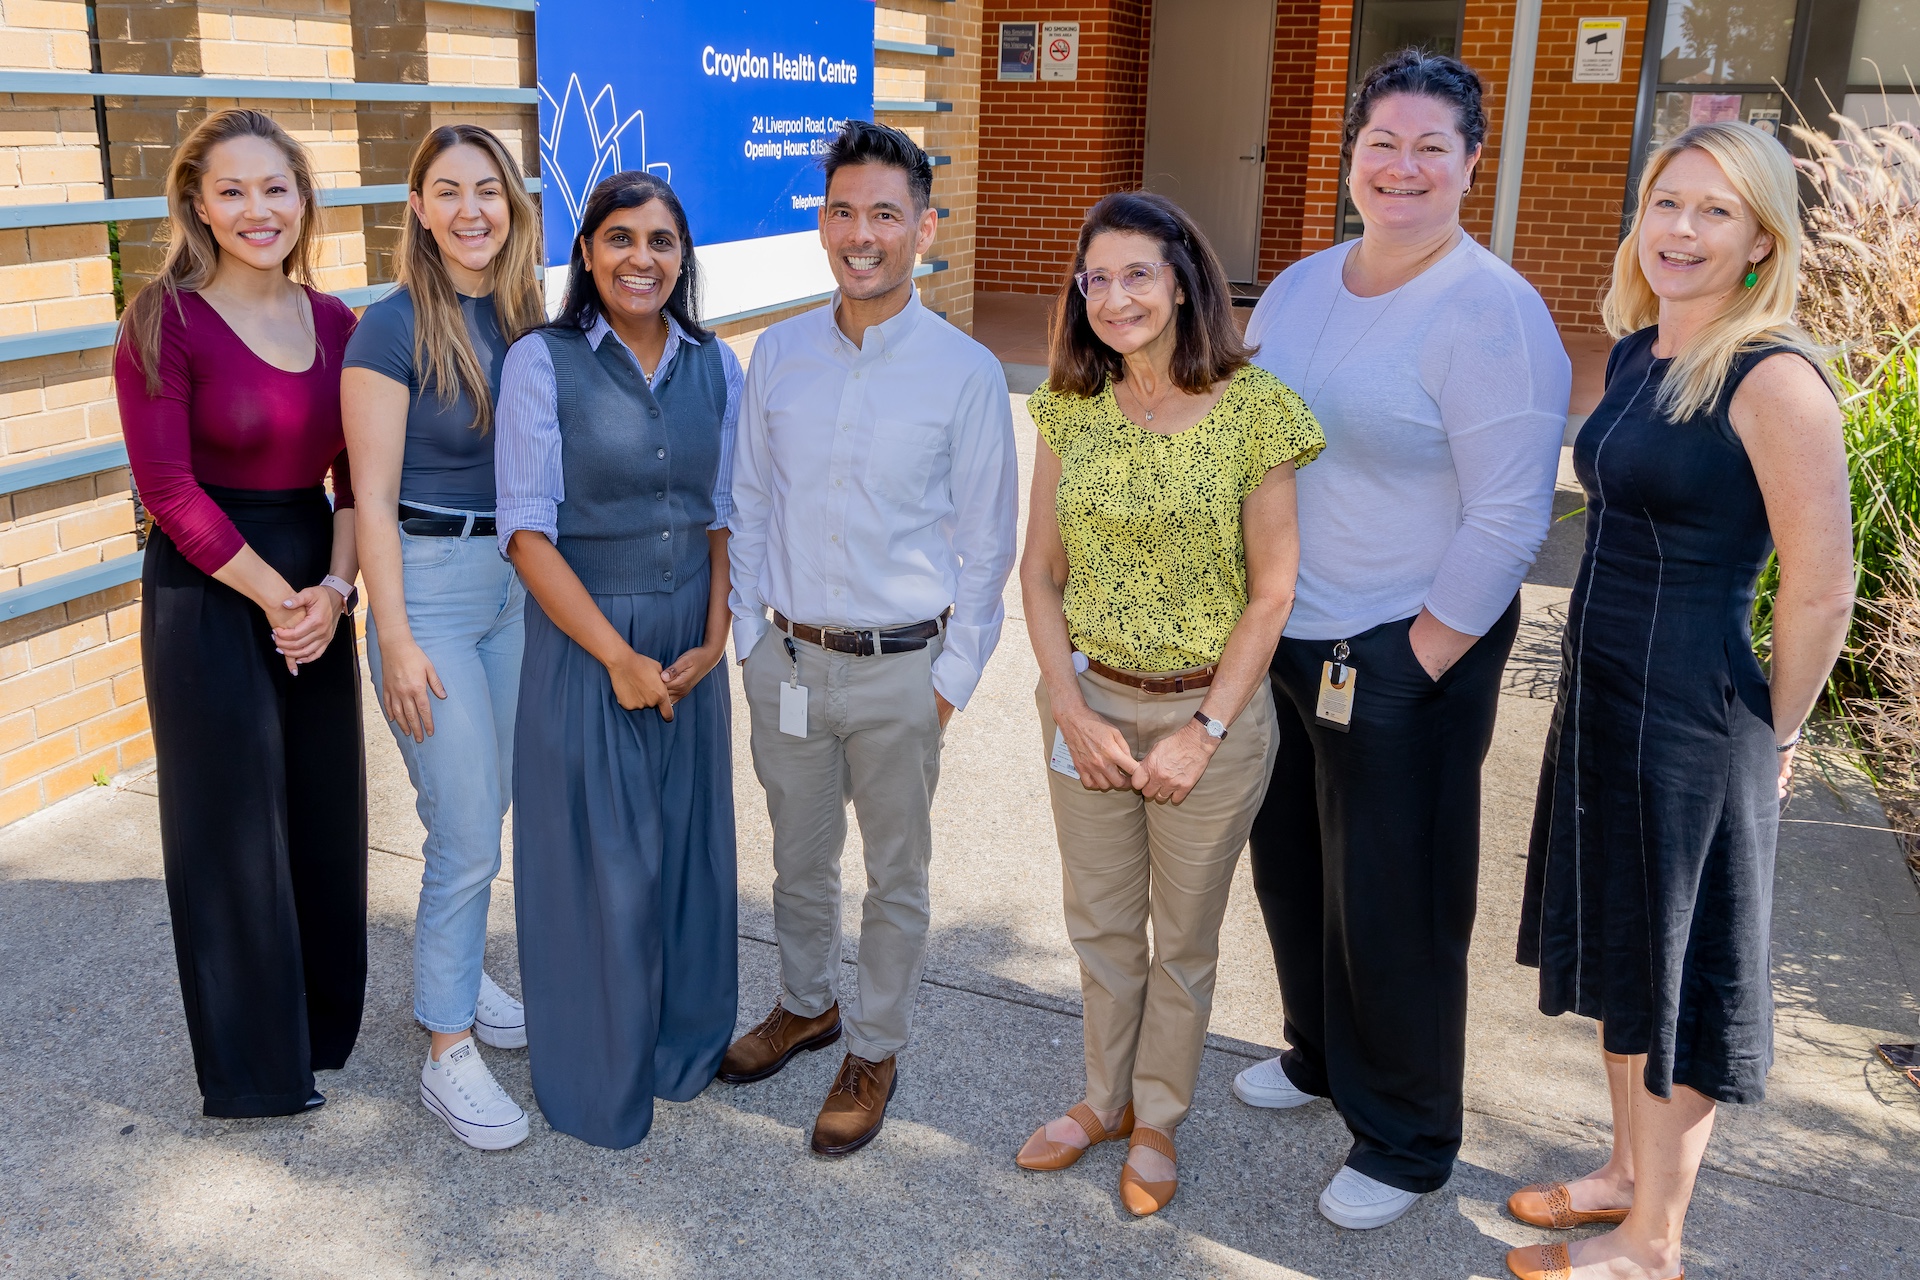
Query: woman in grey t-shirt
[(444, 633), (1440, 381)]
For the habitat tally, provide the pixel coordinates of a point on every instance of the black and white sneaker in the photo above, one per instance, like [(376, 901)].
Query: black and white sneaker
[(460, 1090), (499, 1020)]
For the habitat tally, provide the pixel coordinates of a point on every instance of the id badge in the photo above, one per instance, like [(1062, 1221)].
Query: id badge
[(793, 698), (1334, 708), (1061, 761)]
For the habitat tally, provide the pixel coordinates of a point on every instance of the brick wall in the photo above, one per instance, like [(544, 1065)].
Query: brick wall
[(71, 705), (1296, 32), (1050, 149)]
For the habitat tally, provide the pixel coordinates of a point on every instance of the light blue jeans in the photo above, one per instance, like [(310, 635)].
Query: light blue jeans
[(463, 604)]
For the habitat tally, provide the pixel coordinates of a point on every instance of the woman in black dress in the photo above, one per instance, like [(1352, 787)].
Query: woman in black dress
[(1649, 880)]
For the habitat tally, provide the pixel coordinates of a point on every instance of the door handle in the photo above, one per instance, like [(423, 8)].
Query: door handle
[(1261, 155)]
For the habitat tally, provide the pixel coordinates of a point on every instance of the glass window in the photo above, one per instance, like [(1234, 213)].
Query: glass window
[(1887, 35), (1387, 26), (1727, 41), (1675, 113)]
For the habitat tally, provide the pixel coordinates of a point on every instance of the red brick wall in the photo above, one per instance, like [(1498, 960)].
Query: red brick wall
[(1320, 198), (1050, 149), (1296, 31)]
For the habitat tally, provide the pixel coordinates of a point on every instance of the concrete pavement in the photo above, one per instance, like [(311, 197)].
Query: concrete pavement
[(107, 1168)]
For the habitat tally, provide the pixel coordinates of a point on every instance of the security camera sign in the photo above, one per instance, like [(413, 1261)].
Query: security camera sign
[(1599, 50)]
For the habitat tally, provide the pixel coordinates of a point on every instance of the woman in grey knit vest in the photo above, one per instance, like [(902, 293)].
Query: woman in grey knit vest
[(614, 467)]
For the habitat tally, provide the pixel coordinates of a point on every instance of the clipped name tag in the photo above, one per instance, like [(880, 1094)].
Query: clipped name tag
[(1335, 707), (1061, 761), (793, 709)]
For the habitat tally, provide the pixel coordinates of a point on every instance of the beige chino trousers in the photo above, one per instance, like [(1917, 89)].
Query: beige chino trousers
[(873, 739), (1126, 860)]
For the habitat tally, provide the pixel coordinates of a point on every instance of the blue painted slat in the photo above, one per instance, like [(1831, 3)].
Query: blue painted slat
[(94, 84), (21, 601), (72, 213), (20, 476), (52, 342), (904, 46), (525, 6), (905, 106)]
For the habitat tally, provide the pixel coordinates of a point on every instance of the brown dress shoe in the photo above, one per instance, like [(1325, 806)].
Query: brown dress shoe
[(1138, 1195), (855, 1106), (771, 1045), (1043, 1155), (1546, 1262), (1548, 1204)]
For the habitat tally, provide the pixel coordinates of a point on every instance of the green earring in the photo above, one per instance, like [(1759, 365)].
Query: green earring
[(1753, 278)]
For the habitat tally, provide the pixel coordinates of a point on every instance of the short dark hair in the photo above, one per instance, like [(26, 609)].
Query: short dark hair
[(864, 142), (1430, 75), (1207, 343), (629, 190)]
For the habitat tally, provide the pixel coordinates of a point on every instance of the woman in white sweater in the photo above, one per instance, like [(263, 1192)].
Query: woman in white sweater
[(1442, 385)]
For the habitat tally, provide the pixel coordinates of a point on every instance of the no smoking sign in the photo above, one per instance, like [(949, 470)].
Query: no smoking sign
[(1061, 41)]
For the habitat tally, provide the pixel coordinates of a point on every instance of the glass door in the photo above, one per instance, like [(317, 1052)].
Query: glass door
[(1381, 27)]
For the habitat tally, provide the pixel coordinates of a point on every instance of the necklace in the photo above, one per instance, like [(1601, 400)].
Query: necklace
[(1392, 296), (1142, 403)]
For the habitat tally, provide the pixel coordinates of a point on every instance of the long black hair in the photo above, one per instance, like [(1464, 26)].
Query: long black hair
[(1207, 344), (630, 189)]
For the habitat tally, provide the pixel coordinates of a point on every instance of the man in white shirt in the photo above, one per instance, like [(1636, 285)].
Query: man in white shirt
[(875, 494)]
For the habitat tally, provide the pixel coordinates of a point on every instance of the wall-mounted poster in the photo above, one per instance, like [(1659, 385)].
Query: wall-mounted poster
[(1018, 42), (1059, 51), (1599, 50), (732, 103)]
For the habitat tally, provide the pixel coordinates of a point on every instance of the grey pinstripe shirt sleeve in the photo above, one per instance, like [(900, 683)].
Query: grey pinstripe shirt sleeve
[(527, 480), (729, 432)]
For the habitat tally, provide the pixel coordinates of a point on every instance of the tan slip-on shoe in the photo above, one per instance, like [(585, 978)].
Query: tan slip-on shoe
[(1549, 1204), (1043, 1155), (1546, 1262), (1138, 1195), (771, 1045), (855, 1106)]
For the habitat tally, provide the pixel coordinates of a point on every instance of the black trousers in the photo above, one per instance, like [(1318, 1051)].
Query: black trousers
[(263, 814), (1366, 860)]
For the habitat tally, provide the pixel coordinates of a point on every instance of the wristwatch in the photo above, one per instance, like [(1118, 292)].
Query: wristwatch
[(348, 593), (1215, 730)]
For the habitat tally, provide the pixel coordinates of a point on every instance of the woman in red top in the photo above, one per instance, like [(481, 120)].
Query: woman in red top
[(246, 632)]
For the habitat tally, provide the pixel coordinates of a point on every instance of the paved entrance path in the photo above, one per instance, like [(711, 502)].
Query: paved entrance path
[(108, 1169)]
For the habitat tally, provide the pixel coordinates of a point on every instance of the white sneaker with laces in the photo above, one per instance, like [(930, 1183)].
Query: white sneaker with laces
[(1355, 1201), (499, 1020), (1264, 1084), (460, 1090)]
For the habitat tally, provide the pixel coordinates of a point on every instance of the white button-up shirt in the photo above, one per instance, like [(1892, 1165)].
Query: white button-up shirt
[(875, 485)]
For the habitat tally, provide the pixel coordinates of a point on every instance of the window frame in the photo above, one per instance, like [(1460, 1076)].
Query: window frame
[(1342, 202)]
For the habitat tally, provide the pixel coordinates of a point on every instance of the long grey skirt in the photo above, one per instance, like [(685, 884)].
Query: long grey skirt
[(623, 860)]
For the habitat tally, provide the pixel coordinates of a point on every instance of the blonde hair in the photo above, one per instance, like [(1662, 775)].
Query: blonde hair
[(1758, 169), (442, 348), (193, 255)]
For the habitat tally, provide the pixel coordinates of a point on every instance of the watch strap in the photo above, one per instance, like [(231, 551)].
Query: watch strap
[(1215, 730)]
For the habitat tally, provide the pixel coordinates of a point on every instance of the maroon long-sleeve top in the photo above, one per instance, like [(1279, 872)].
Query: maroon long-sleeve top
[(226, 417)]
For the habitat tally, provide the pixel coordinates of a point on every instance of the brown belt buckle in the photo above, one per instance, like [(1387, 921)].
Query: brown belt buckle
[(831, 638)]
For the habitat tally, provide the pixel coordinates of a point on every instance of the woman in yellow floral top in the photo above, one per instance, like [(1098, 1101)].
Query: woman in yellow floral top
[(1154, 599)]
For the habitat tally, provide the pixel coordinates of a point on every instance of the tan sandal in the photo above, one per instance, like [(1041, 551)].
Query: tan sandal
[(1545, 1262), (1550, 1205), (1138, 1195), (1044, 1155)]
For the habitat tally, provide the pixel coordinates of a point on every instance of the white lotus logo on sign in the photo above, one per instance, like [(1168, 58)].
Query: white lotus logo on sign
[(584, 144)]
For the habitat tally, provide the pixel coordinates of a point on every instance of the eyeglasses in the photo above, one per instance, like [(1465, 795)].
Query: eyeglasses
[(1137, 278)]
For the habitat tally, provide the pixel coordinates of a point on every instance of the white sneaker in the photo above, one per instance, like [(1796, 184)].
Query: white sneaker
[(1264, 1084), (499, 1020), (460, 1090), (1358, 1202)]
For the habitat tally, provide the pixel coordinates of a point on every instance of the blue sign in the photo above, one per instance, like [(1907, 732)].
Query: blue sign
[(731, 102)]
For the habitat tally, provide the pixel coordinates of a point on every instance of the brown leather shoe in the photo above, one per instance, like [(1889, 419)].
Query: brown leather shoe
[(855, 1106), (1138, 1195), (1043, 1155), (1548, 1204), (1545, 1262), (771, 1045)]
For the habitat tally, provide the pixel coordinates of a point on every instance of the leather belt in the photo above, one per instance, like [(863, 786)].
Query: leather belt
[(1158, 681), (438, 524), (859, 641)]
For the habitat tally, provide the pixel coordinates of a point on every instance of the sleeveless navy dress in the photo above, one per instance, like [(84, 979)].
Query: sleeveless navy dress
[(1649, 891)]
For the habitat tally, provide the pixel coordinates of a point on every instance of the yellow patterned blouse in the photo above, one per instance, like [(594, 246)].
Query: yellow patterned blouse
[(1156, 563)]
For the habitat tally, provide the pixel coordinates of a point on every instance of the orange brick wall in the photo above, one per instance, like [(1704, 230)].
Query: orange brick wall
[(1296, 32), (1050, 149)]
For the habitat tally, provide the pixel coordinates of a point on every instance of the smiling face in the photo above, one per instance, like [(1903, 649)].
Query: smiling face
[(1410, 166), (463, 205), (249, 200), (634, 258), (871, 230), (1698, 238), (1124, 321)]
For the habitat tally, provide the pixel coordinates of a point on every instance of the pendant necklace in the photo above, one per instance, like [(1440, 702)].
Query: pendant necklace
[(1143, 404), (1392, 296)]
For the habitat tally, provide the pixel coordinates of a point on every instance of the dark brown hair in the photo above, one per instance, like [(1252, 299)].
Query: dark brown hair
[(1207, 344), (1428, 75)]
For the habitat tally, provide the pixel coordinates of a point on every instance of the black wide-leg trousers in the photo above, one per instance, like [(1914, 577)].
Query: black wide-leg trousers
[(263, 814), (1366, 859)]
